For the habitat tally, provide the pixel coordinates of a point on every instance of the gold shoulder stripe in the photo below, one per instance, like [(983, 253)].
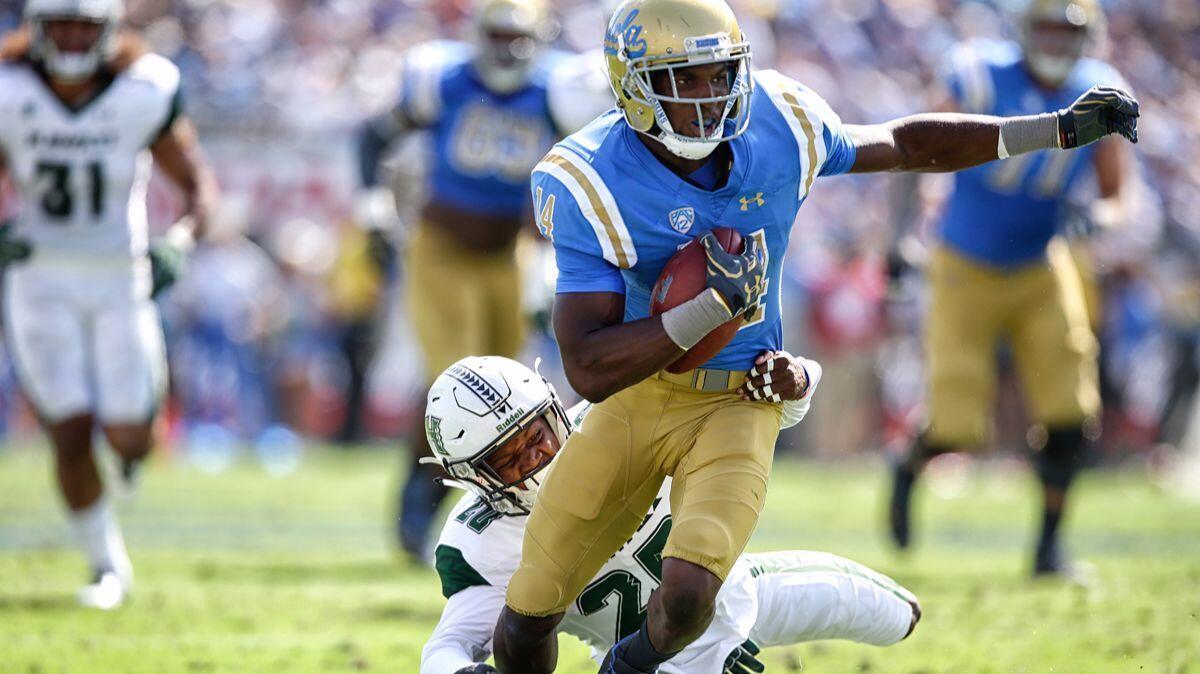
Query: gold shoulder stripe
[(811, 135), (597, 205)]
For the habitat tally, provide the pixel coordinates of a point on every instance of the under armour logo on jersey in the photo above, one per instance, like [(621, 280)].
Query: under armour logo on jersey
[(757, 200), (682, 219)]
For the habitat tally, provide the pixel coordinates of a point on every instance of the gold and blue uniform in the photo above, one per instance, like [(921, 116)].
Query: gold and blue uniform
[(615, 215), (1001, 270), (483, 147)]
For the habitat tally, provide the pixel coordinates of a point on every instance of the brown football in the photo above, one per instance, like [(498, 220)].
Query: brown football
[(682, 279)]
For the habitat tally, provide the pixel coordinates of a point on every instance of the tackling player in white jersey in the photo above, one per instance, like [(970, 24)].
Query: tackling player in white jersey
[(84, 112), (494, 425)]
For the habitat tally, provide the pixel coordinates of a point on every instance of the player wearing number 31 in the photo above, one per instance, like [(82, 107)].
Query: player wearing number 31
[(698, 141), (83, 111)]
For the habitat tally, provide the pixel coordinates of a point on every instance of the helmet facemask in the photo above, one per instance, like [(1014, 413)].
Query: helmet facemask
[(1053, 49), (734, 102), (1054, 35), (508, 39), (72, 65), (505, 60)]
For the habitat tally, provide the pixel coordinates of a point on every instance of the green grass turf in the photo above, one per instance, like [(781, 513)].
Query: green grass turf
[(242, 572)]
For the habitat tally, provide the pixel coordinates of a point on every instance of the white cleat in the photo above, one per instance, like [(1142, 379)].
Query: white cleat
[(106, 592)]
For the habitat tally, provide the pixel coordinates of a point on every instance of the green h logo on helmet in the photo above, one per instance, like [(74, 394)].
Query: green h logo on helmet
[(433, 431)]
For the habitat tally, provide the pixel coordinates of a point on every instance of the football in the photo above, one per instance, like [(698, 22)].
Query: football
[(682, 278)]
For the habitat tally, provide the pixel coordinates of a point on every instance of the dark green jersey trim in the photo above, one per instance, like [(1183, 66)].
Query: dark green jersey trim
[(454, 571), (173, 114)]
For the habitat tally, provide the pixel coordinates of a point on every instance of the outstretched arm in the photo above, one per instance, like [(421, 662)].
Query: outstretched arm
[(943, 142), (177, 153), (376, 135), (462, 638)]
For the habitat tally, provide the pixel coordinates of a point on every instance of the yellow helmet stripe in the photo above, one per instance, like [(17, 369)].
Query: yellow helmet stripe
[(595, 202)]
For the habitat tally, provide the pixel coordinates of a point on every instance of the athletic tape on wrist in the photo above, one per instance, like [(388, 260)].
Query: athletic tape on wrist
[(691, 321), (1027, 133)]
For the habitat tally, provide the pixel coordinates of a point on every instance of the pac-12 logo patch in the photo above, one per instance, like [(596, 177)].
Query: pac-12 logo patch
[(682, 219)]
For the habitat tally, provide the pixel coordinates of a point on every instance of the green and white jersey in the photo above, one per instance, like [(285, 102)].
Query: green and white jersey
[(775, 599), (82, 174), (478, 547)]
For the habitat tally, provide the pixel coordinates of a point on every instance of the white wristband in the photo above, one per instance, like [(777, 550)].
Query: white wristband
[(691, 321), (1027, 133)]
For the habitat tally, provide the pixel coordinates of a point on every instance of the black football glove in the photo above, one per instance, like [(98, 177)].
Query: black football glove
[(1097, 113), (478, 669), (12, 248), (742, 660), (736, 278), (166, 266)]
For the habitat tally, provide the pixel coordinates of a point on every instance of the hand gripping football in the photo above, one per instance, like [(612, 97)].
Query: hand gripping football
[(682, 278)]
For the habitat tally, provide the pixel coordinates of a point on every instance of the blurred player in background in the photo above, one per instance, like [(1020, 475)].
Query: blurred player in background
[(1002, 271), (699, 141), (84, 112), (487, 108), (494, 425)]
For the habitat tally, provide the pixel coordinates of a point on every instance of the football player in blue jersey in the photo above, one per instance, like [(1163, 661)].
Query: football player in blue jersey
[(486, 107), (698, 141), (1000, 269)]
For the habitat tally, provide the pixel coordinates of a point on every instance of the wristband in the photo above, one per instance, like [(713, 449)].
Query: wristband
[(691, 321), (1028, 133)]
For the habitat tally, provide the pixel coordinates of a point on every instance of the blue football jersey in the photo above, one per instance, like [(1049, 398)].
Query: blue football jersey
[(484, 144), (616, 214), (1004, 213)]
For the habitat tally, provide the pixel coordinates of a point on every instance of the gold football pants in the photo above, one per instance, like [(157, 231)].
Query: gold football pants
[(1041, 309), (717, 447), (462, 303)]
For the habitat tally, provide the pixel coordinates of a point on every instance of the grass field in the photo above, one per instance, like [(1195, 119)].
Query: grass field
[(242, 572)]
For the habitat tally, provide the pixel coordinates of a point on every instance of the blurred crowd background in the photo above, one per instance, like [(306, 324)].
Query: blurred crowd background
[(288, 329)]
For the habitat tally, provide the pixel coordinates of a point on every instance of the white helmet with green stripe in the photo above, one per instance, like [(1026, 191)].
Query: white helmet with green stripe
[(477, 405)]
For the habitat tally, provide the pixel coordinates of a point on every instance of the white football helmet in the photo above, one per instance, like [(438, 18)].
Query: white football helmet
[(73, 66), (509, 35), (477, 405)]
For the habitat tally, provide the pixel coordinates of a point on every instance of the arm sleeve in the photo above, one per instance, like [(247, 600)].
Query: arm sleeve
[(806, 112), (453, 570), (420, 100), (580, 259), (463, 636), (375, 136), (841, 152), (174, 112)]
